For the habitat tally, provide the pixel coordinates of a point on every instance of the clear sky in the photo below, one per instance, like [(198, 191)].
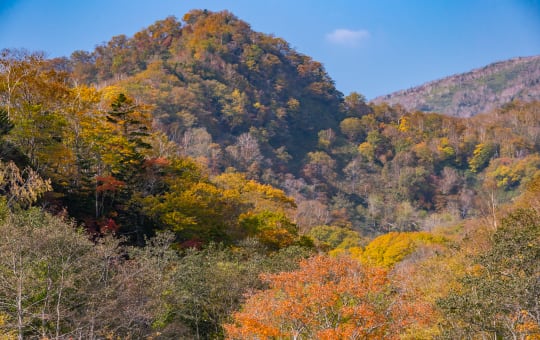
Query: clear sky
[(369, 46)]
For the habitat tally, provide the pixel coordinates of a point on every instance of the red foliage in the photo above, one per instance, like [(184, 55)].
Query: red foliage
[(108, 226), (109, 183), (156, 162)]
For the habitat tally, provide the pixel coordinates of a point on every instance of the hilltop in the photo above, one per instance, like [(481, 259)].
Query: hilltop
[(474, 92)]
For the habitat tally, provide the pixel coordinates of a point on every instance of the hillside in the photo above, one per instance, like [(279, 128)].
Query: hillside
[(238, 100), (477, 91), (212, 71), (198, 179)]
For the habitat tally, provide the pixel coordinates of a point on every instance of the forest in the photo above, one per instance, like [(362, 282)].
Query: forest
[(201, 180)]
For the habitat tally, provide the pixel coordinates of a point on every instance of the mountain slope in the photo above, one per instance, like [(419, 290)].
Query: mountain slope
[(480, 90), (212, 71), (239, 100)]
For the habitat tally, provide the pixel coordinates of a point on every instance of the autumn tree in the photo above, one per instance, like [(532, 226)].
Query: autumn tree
[(352, 127), (499, 296), (21, 188), (388, 249), (327, 298), (51, 275), (336, 239)]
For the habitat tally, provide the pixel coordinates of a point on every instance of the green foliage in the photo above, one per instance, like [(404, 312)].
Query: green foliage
[(5, 123), (282, 132), (198, 290), (331, 237), (48, 270), (481, 156), (353, 128), (273, 229), (499, 295)]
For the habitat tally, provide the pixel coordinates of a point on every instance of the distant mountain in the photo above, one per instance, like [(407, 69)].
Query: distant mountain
[(480, 90)]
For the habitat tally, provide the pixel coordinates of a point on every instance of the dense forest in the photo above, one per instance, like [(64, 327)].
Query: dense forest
[(202, 180)]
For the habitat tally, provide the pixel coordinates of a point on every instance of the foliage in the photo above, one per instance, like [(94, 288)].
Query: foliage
[(238, 100), (200, 131), (481, 156), (274, 230), (21, 188), (55, 282), (332, 237), (389, 249), (474, 92), (327, 298), (48, 270), (499, 295)]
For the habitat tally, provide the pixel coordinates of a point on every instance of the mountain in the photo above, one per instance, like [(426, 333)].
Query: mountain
[(238, 100), (218, 154), (211, 71), (208, 89), (474, 92)]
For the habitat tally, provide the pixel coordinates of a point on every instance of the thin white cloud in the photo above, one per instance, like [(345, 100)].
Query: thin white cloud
[(346, 37)]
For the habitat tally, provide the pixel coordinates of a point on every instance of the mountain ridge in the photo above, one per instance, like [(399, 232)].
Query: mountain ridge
[(470, 93)]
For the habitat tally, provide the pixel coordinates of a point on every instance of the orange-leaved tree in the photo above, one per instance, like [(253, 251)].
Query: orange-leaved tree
[(327, 298)]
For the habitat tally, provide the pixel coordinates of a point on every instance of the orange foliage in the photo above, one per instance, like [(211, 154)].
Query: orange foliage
[(156, 162), (109, 183), (327, 298)]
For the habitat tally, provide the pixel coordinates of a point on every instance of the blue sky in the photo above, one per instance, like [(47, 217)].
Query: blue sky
[(369, 46)]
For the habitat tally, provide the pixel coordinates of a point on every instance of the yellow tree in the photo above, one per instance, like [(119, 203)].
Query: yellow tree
[(389, 249)]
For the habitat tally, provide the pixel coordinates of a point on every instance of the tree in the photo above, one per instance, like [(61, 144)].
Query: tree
[(355, 105), (273, 229), (481, 156), (50, 276), (245, 151), (327, 298), (389, 249), (333, 238), (34, 96), (21, 188), (320, 167), (187, 203), (190, 295), (353, 128), (500, 295), (17, 68), (130, 127)]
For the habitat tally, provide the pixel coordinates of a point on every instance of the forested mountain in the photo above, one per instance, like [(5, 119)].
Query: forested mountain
[(232, 98), (202, 180), (474, 92), (214, 72)]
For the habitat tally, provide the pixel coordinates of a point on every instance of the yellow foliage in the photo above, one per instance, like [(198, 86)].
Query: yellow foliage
[(353, 252), (293, 104), (507, 172), (5, 334), (110, 93), (261, 196), (389, 249), (404, 124), (274, 230), (446, 151), (367, 150)]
